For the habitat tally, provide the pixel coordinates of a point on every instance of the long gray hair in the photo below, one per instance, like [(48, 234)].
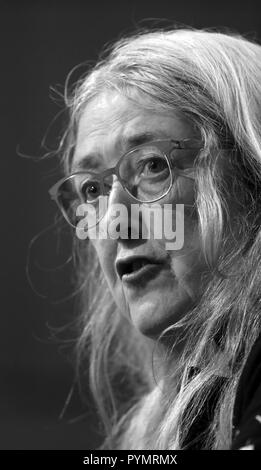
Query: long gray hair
[(214, 79)]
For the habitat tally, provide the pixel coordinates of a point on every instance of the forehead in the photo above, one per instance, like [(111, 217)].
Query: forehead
[(110, 122)]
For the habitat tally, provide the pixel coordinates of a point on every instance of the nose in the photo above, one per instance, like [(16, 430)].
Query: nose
[(123, 221), (118, 195)]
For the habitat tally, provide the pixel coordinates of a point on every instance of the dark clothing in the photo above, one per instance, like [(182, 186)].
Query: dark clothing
[(198, 432), (247, 410)]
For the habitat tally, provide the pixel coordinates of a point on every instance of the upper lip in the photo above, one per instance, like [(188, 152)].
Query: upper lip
[(123, 265)]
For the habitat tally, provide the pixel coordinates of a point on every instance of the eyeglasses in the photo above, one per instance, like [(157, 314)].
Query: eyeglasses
[(146, 173)]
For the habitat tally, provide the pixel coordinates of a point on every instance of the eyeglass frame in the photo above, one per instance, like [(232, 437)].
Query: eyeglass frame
[(184, 144)]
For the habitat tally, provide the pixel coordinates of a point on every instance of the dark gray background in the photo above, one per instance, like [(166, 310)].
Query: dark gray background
[(40, 43)]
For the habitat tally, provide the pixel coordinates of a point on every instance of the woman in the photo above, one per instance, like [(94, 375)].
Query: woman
[(169, 334)]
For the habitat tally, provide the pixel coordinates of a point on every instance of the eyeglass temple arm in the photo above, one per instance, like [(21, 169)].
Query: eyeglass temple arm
[(188, 144), (198, 144)]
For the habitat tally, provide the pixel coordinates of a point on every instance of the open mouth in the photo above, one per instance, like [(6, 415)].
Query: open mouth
[(133, 265)]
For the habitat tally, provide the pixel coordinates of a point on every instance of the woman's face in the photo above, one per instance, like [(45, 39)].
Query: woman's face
[(160, 291)]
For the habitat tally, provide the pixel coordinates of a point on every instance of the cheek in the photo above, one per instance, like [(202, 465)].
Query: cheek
[(179, 216), (106, 251), (184, 191), (188, 263)]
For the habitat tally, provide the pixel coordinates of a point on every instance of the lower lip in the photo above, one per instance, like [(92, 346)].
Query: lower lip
[(143, 275)]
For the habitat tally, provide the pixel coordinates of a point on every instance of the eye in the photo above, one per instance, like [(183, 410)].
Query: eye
[(152, 165), (156, 164), (91, 190)]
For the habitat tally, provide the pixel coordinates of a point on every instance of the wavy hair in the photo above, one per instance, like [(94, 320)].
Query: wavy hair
[(214, 79)]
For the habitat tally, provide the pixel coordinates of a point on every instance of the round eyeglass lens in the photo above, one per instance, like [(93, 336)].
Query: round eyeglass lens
[(146, 173), (81, 199)]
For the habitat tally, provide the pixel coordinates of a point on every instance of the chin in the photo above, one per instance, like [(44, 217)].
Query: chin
[(152, 319), (151, 323)]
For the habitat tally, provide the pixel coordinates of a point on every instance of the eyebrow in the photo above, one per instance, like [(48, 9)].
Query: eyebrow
[(94, 161), (140, 138)]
